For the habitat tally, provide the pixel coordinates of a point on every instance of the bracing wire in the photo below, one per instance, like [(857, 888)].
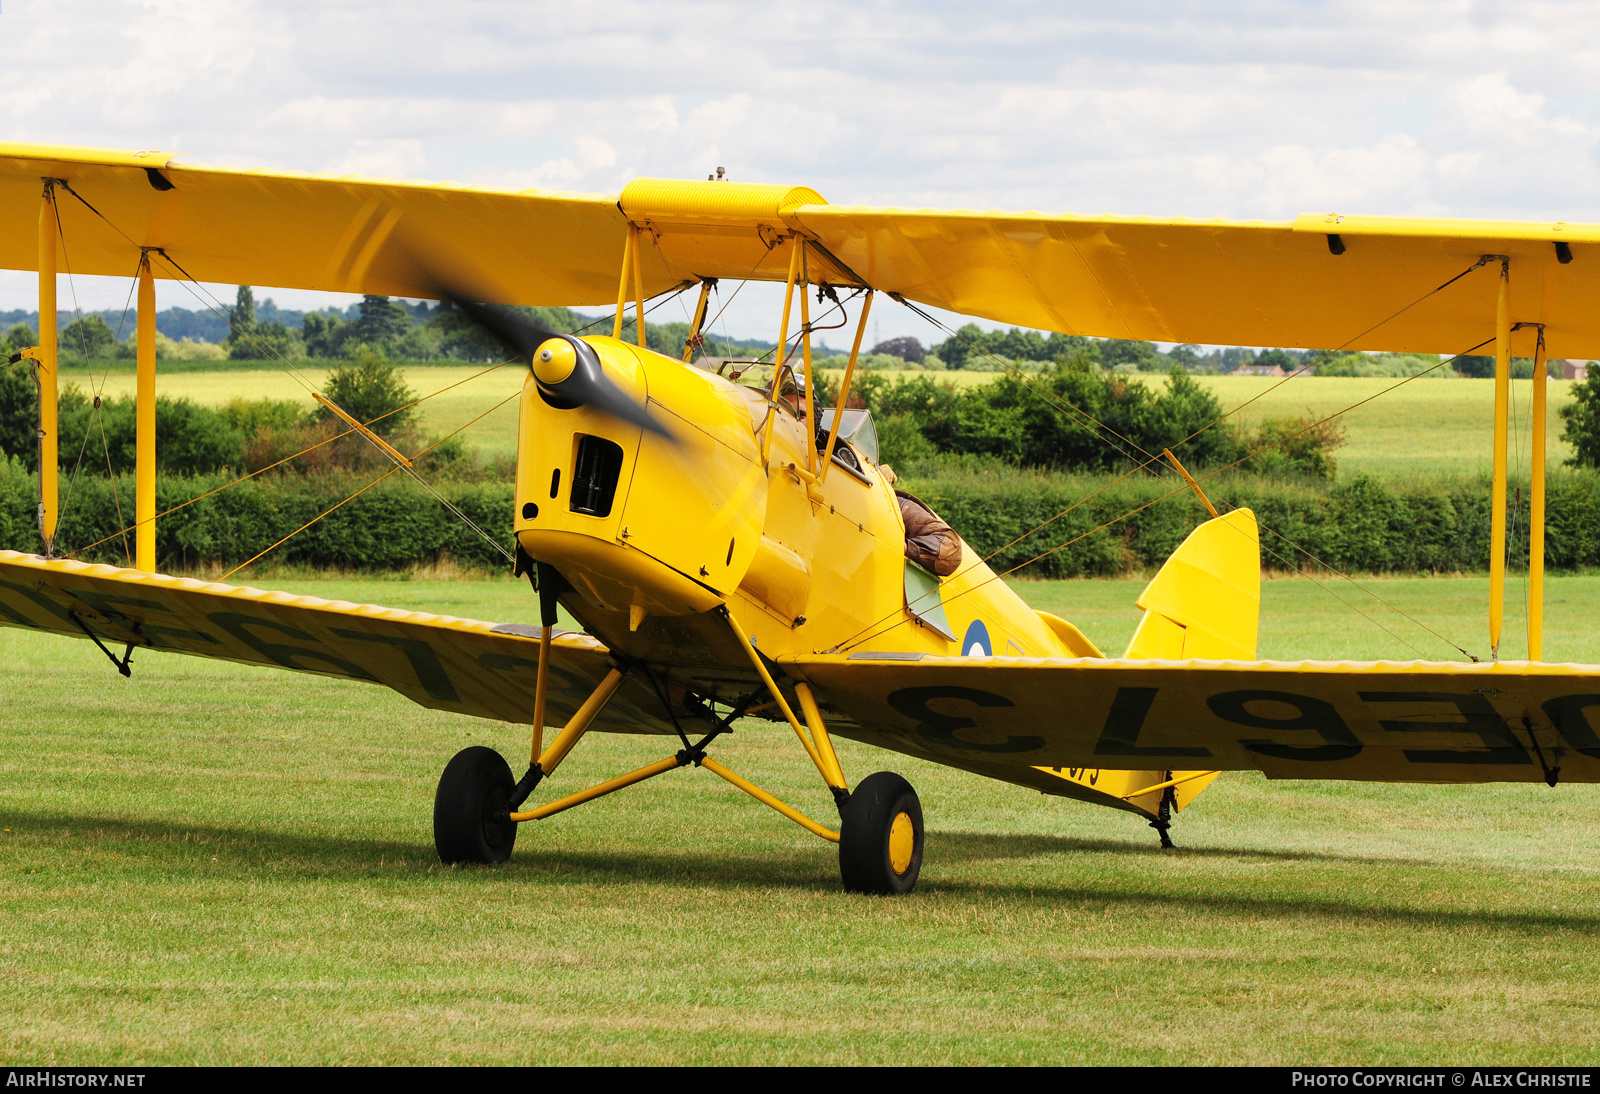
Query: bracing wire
[(1289, 562), (83, 446), (855, 640), (397, 467), (305, 451), (213, 305), (1517, 436), (1154, 460), (217, 308), (95, 391), (1150, 457), (309, 523)]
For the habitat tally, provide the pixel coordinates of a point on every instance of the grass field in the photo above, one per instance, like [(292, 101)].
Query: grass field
[(215, 864), (1424, 427)]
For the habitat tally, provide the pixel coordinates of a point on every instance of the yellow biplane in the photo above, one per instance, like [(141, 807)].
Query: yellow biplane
[(734, 550)]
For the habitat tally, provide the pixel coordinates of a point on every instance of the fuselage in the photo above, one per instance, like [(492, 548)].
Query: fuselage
[(653, 535)]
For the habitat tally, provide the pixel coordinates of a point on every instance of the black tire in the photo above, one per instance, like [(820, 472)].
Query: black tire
[(469, 808), (869, 845)]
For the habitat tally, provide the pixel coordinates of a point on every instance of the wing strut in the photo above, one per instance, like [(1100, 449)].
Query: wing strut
[(125, 665), (568, 739)]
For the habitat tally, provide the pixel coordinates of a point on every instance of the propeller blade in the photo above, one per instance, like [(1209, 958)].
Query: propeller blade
[(613, 400), (515, 332), (587, 385)]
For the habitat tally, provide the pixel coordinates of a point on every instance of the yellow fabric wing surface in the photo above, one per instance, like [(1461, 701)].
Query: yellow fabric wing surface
[(1213, 282), (1367, 721), (461, 665), (1228, 283), (302, 231)]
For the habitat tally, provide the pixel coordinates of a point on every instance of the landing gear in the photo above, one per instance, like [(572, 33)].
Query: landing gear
[(470, 818), (880, 839)]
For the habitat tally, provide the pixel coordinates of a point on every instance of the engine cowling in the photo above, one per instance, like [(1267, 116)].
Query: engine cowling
[(637, 522)]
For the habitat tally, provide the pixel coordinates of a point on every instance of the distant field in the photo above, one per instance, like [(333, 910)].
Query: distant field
[(959, 377), (214, 864), (1423, 427), (496, 434)]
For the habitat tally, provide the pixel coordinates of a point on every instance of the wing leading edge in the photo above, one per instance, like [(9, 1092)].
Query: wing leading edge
[(462, 665), (291, 230)]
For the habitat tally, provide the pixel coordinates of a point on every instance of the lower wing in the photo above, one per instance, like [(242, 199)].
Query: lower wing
[(1381, 721), (463, 665)]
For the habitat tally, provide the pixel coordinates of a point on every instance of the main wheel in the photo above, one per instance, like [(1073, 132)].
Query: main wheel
[(469, 808), (880, 841)]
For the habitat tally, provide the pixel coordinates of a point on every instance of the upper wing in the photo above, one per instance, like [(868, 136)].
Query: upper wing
[(290, 230), (1210, 282), (1220, 282), (461, 665), (1374, 721)]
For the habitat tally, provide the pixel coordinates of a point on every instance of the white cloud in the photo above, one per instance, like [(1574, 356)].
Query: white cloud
[(388, 158), (594, 152), (1239, 108), (1489, 101)]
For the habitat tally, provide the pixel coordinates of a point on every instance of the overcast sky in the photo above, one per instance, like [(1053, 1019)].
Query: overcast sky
[(1206, 109)]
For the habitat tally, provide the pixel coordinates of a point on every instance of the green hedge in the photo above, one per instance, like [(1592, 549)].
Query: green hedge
[(392, 526), (1361, 524)]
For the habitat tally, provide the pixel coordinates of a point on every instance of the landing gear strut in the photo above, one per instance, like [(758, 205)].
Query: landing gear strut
[(479, 806)]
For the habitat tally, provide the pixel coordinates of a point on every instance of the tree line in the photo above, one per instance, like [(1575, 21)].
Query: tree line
[(376, 326), (399, 331)]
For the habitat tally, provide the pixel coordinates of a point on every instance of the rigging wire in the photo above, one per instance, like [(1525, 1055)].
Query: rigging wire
[(295, 373), (302, 452), (732, 296), (216, 307), (1289, 562), (310, 522), (1483, 261), (674, 293), (1154, 460), (810, 328), (83, 446), (853, 641), (375, 482), (1043, 393), (1151, 457), (1516, 436), (83, 344)]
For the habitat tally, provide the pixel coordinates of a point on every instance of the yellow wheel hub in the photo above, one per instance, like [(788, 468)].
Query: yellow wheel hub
[(554, 361), (902, 842)]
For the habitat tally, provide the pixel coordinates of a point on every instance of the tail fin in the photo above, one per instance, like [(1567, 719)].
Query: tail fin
[(1206, 600), (1204, 603)]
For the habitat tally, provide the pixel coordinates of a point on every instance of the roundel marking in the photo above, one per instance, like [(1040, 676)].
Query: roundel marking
[(976, 643)]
